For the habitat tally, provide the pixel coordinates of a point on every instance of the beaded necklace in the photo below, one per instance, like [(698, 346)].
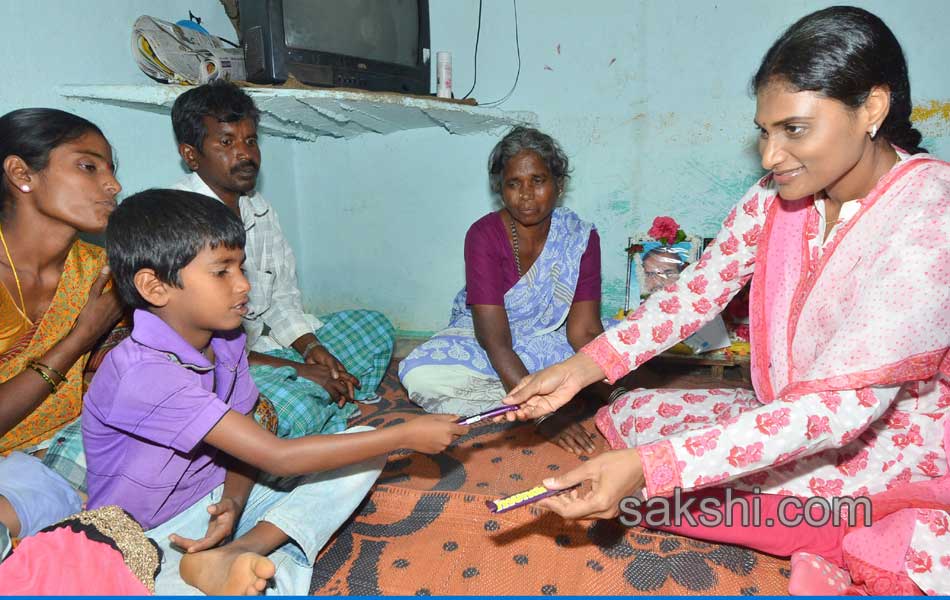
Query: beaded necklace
[(514, 244)]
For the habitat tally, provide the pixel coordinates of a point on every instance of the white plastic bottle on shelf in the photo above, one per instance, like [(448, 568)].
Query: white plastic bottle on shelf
[(443, 74)]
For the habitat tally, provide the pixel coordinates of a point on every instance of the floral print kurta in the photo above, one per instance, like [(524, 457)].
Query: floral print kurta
[(824, 443), (850, 442)]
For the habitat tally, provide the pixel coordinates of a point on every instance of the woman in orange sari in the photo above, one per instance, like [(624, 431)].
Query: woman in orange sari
[(57, 180)]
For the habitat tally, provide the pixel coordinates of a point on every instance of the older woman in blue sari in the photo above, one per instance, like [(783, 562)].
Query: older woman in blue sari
[(532, 293)]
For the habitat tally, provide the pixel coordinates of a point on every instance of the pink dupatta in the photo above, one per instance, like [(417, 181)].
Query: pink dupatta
[(875, 308)]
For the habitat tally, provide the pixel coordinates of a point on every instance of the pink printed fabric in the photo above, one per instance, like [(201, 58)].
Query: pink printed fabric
[(907, 548), (852, 391), (874, 309), (789, 227)]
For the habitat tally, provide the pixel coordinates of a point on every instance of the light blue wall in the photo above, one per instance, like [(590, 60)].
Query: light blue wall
[(46, 43), (649, 98), (664, 129)]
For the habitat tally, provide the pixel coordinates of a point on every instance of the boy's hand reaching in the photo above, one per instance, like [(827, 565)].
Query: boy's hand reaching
[(431, 434), (224, 517)]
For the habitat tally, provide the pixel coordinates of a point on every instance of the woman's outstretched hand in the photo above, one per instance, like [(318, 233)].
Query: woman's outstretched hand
[(547, 390), (613, 476)]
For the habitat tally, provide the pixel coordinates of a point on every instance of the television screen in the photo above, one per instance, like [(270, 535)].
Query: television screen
[(383, 30), (378, 45)]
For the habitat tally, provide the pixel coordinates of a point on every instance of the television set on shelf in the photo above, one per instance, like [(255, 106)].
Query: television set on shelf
[(377, 45)]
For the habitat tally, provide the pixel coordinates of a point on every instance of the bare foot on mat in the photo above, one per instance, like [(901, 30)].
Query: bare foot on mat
[(566, 433), (227, 572)]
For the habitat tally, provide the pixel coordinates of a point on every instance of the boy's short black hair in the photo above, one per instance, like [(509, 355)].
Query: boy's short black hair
[(164, 230), (220, 99)]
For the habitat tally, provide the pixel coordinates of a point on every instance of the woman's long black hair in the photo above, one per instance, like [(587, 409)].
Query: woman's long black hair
[(842, 52)]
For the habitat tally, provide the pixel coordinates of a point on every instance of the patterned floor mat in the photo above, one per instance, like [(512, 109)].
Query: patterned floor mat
[(425, 530)]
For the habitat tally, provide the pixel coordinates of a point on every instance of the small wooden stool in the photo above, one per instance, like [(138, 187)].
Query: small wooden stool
[(717, 361)]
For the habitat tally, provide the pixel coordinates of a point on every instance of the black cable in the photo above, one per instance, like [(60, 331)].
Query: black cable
[(496, 103), (228, 41), (478, 33), (197, 21)]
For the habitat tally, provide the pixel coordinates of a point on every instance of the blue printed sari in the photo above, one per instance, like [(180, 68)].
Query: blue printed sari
[(537, 308)]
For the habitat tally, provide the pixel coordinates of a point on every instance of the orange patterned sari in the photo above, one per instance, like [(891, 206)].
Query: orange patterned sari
[(21, 340)]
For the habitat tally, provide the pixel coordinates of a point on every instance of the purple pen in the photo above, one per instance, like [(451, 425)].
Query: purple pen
[(487, 414)]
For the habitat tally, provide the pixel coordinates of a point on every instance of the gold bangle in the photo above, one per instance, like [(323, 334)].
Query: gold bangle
[(46, 378), (62, 377), (49, 373)]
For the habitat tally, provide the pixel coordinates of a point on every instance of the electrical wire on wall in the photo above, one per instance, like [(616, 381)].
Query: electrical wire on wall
[(478, 33), (496, 103)]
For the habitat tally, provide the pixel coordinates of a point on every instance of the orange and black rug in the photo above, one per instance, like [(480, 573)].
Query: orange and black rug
[(425, 530)]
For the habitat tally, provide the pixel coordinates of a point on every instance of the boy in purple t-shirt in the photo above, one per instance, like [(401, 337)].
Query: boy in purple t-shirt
[(165, 423)]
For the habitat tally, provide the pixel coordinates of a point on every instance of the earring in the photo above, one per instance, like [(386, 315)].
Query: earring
[(873, 131), (25, 188)]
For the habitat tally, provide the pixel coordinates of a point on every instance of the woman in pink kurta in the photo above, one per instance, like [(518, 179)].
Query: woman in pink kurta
[(847, 244)]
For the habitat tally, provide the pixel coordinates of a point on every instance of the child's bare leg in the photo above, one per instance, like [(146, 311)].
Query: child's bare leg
[(240, 568)]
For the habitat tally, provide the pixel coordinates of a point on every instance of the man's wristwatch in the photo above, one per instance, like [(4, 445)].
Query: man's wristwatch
[(309, 348)]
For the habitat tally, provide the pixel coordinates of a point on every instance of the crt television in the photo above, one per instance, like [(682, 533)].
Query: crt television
[(378, 45)]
